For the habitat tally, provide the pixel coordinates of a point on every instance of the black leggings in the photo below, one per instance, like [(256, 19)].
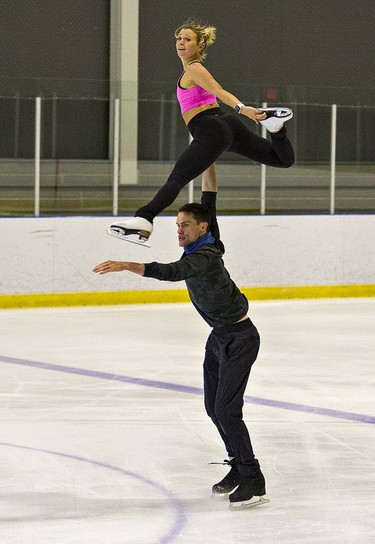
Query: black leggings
[(215, 132)]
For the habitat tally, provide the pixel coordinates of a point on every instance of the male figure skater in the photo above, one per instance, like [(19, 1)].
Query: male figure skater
[(232, 346)]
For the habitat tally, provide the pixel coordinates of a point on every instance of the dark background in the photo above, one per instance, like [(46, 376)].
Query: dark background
[(280, 51)]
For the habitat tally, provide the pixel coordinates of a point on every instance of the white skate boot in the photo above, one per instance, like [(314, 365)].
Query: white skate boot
[(276, 117), (135, 230)]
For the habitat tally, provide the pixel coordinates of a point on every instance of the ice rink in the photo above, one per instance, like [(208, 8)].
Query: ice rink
[(104, 437)]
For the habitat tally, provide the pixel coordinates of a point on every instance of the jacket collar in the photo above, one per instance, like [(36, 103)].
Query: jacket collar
[(201, 241)]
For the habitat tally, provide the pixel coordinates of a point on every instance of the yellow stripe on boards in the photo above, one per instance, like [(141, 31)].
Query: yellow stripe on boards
[(93, 299), (179, 295), (309, 291)]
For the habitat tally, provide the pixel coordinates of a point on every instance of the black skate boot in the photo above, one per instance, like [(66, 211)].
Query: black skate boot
[(249, 493), (229, 482)]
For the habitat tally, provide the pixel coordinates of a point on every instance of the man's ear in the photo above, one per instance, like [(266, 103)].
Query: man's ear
[(203, 226)]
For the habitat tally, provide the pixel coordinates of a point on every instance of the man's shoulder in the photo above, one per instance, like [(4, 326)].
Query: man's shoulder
[(217, 248)]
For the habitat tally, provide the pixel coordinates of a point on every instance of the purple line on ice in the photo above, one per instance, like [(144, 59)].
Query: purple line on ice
[(177, 505), (361, 418)]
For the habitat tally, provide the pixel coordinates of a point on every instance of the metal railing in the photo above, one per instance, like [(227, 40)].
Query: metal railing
[(117, 191)]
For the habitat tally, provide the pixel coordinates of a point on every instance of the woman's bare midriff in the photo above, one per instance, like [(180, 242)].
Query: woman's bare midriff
[(188, 115)]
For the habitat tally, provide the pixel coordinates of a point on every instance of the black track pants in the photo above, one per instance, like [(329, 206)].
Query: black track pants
[(230, 353)]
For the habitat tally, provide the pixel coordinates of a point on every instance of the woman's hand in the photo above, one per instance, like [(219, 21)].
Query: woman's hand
[(253, 113)]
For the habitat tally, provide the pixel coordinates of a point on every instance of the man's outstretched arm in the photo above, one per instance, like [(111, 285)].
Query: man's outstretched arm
[(119, 266), (209, 179)]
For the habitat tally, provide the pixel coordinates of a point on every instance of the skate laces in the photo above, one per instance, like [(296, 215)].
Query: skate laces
[(225, 462)]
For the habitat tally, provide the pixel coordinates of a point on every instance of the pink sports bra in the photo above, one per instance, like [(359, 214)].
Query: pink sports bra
[(194, 97)]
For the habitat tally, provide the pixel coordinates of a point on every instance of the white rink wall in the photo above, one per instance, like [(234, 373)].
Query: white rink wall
[(56, 255)]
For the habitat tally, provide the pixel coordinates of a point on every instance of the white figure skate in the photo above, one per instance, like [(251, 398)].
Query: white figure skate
[(276, 117), (135, 230)]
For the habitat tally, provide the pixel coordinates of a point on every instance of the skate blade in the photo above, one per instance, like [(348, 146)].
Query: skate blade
[(279, 113), (244, 505), (219, 496), (133, 238)]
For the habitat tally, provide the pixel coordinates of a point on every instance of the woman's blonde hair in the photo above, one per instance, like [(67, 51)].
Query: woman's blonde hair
[(205, 34)]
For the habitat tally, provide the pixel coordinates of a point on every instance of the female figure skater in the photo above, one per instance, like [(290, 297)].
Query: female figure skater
[(213, 130)]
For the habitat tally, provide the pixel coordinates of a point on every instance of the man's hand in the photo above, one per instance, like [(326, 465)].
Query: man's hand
[(119, 266)]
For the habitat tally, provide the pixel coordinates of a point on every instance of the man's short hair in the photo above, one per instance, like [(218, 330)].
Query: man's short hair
[(198, 211)]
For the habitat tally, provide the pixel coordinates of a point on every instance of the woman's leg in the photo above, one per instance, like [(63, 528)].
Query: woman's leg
[(278, 152), (211, 139)]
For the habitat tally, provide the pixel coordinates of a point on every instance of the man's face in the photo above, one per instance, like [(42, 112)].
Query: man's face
[(188, 230)]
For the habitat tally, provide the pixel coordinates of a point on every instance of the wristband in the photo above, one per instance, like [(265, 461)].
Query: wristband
[(239, 107)]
